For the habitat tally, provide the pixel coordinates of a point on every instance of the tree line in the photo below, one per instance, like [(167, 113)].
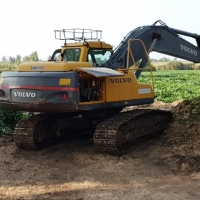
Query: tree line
[(174, 65), (18, 59), (163, 59), (11, 63)]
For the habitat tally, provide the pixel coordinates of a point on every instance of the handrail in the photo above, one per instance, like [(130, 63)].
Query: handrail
[(130, 54)]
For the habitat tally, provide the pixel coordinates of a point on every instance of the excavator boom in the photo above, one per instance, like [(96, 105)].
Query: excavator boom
[(158, 38)]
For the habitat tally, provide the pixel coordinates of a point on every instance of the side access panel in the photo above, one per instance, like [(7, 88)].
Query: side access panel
[(119, 88), (127, 88)]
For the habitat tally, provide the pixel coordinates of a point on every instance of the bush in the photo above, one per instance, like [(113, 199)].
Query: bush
[(7, 67), (176, 65), (197, 67), (8, 120)]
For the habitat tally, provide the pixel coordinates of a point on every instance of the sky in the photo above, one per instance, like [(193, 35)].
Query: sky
[(28, 25)]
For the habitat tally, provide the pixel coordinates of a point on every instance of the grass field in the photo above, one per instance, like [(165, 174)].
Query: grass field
[(175, 84)]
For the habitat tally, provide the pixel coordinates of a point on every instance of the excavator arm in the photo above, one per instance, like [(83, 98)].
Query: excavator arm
[(158, 38)]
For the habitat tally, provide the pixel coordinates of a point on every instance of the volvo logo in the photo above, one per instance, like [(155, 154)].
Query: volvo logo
[(120, 80), (187, 49), (25, 94)]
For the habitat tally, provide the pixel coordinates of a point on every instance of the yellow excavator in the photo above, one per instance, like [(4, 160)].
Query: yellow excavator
[(86, 84)]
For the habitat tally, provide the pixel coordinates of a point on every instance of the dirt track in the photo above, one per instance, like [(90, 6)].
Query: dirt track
[(156, 169)]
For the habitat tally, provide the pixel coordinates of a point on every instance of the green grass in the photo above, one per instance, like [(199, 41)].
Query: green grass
[(175, 85)]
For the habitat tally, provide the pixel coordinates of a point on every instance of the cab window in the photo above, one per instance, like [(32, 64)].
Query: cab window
[(56, 55), (72, 54), (97, 57)]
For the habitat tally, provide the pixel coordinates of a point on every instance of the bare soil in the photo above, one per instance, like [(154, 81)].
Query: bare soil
[(162, 167)]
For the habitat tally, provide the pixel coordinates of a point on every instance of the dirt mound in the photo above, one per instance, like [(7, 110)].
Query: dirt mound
[(188, 111), (183, 137)]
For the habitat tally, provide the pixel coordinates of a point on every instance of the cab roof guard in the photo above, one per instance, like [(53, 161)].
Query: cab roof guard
[(78, 34)]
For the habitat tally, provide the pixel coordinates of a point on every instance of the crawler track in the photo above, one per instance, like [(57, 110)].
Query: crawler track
[(116, 134), (36, 132)]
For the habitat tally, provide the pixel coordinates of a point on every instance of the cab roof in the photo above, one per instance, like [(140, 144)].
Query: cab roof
[(91, 44)]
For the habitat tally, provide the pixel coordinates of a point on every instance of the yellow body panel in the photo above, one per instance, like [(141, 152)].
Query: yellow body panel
[(64, 81), (91, 44), (84, 54), (126, 88), (112, 89), (52, 66), (91, 102)]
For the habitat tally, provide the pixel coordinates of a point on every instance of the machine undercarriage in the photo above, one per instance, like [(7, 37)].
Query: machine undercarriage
[(112, 134)]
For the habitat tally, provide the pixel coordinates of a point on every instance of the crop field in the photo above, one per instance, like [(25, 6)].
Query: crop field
[(174, 85)]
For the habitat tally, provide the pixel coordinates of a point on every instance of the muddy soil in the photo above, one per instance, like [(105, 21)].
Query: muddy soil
[(160, 167)]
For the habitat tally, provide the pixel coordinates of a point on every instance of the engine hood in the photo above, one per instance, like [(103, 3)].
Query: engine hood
[(52, 66)]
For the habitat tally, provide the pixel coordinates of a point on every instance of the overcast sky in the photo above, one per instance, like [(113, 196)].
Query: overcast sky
[(28, 25)]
